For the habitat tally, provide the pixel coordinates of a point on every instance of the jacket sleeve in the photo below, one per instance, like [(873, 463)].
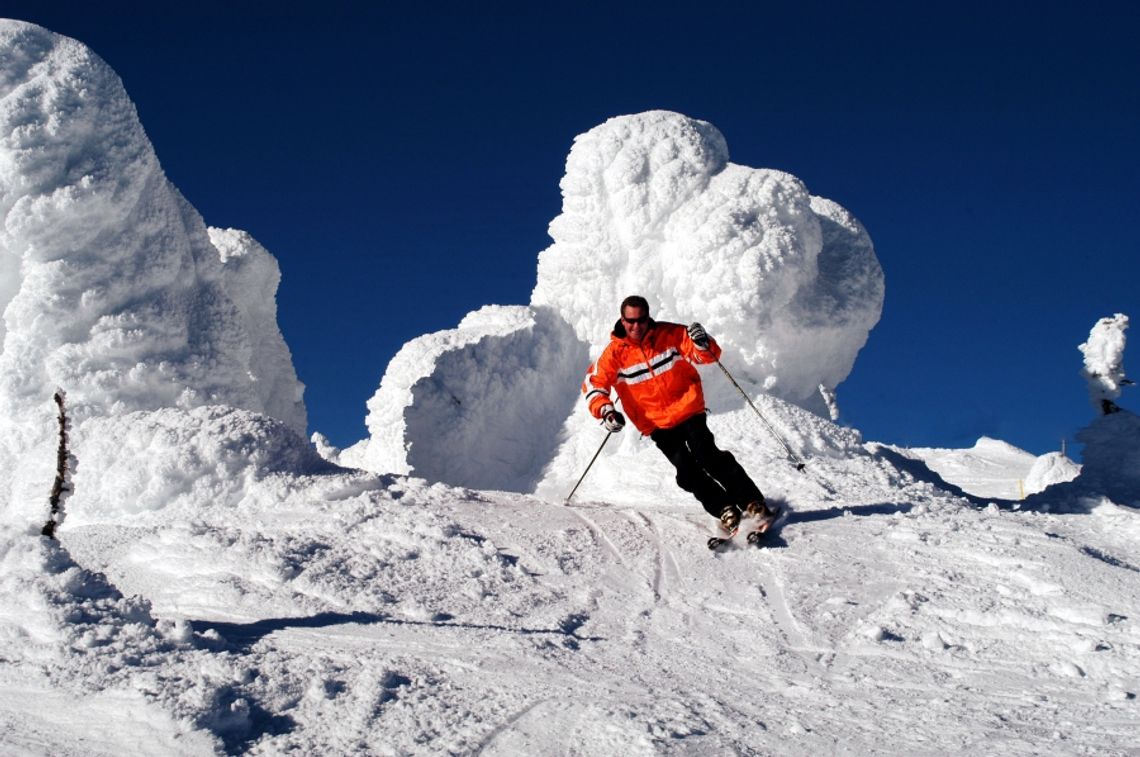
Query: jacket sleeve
[(598, 382)]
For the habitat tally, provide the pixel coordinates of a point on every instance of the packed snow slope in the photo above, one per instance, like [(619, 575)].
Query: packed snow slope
[(788, 283), (218, 587)]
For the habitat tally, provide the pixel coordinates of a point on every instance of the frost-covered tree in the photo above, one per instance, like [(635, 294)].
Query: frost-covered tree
[(1104, 362)]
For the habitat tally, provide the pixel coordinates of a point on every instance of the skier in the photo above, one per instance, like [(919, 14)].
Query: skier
[(650, 364)]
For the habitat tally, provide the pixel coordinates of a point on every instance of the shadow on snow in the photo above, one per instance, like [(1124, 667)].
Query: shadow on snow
[(244, 636)]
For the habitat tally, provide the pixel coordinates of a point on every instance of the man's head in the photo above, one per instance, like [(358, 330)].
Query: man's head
[(635, 316)]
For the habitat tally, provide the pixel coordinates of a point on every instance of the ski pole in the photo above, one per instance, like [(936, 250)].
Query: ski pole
[(592, 459), (796, 461)]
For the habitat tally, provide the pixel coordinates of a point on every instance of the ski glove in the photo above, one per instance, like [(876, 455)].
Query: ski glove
[(612, 419), (699, 336)]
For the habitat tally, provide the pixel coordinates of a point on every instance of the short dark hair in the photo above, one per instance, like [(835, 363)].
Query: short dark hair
[(635, 301)]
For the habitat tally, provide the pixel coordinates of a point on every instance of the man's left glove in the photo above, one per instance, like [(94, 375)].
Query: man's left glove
[(612, 419), (699, 336)]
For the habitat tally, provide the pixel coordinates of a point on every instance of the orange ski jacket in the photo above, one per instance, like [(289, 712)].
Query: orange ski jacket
[(655, 379)]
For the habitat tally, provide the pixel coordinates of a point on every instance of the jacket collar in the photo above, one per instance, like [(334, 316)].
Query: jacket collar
[(620, 334)]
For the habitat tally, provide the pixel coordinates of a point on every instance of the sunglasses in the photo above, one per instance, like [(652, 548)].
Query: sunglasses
[(642, 320)]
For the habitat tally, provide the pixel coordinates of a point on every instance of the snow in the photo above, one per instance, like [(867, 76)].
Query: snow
[(993, 468), (344, 611), (112, 286), (1048, 469), (481, 405), (218, 586)]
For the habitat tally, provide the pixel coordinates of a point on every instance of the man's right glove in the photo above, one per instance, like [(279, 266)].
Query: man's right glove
[(699, 336), (612, 419)]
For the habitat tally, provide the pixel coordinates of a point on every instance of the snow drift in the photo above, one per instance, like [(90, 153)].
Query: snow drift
[(788, 283), (111, 285)]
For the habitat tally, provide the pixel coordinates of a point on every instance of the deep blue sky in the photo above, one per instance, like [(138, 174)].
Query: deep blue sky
[(402, 162)]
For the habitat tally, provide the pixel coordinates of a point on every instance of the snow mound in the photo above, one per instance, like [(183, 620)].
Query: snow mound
[(481, 405), (1051, 468), (172, 458), (110, 285)]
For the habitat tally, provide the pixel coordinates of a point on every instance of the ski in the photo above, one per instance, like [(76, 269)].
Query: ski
[(716, 542)]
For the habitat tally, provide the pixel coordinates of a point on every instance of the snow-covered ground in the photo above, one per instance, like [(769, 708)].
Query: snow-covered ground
[(217, 586), (348, 612)]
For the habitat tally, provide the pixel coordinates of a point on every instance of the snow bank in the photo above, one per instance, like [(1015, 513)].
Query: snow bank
[(991, 468), (111, 286), (1051, 468), (200, 458), (481, 405), (53, 607), (788, 283)]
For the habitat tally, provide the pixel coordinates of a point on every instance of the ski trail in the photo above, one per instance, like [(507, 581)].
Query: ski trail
[(796, 639), (603, 539), (506, 725), (658, 582)]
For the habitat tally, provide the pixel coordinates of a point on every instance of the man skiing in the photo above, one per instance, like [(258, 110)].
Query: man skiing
[(650, 364)]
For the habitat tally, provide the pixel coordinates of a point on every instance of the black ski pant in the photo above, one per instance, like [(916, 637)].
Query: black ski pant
[(710, 474)]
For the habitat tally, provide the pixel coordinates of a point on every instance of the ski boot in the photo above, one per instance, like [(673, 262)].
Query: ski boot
[(729, 523), (730, 519), (765, 516)]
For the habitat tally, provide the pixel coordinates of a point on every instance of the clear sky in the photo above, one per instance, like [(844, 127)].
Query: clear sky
[(402, 163)]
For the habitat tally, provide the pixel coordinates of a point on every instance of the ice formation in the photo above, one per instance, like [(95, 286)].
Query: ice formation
[(788, 283), (111, 285)]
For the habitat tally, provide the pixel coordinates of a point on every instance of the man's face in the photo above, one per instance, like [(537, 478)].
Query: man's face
[(636, 322)]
